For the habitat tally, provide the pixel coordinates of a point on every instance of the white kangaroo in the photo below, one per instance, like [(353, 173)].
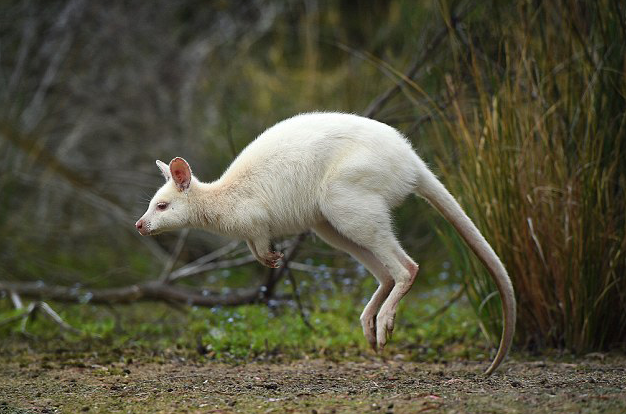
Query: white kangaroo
[(339, 175)]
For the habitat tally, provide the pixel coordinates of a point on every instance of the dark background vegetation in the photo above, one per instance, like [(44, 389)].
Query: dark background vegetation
[(519, 107)]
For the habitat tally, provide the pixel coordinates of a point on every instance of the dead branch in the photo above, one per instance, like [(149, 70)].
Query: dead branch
[(222, 264), (31, 311), (180, 243), (296, 296), (47, 310), (153, 290), (162, 289), (17, 301), (303, 267), (207, 262)]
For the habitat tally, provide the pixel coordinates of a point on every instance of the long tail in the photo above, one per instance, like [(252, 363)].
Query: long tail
[(431, 189)]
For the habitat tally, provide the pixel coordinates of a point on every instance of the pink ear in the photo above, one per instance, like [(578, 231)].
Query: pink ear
[(181, 173)]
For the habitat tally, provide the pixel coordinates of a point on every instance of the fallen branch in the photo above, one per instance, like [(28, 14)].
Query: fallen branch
[(162, 289), (192, 268), (167, 269), (303, 267), (207, 262), (17, 301), (31, 311), (153, 290), (296, 296)]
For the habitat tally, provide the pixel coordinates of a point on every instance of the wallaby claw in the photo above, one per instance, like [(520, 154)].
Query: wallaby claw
[(273, 259)]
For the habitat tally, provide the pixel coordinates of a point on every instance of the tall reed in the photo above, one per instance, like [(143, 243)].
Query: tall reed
[(537, 124)]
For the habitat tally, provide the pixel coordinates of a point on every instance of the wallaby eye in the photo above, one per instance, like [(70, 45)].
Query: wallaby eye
[(162, 206)]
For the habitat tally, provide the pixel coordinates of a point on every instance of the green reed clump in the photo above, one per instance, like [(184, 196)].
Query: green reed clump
[(537, 121)]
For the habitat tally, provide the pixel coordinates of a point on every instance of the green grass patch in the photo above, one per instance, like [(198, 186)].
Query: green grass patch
[(252, 332)]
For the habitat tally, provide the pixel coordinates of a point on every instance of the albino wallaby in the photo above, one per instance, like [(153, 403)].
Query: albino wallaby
[(339, 175)]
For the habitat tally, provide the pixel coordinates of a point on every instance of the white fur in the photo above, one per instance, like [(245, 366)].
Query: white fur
[(339, 175)]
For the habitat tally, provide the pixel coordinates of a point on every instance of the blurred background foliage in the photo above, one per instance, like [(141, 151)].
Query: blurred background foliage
[(519, 106)]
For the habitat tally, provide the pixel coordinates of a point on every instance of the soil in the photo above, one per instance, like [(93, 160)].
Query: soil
[(56, 383)]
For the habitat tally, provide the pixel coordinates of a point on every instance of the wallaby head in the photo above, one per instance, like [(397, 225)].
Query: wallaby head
[(169, 209)]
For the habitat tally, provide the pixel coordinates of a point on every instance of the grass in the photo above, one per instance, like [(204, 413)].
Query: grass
[(537, 127), (254, 332)]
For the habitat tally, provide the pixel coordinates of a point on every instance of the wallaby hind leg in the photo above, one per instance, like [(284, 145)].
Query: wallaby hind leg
[(368, 318), (387, 313), (363, 217)]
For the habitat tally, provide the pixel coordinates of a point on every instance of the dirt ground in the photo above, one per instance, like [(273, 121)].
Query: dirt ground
[(44, 385)]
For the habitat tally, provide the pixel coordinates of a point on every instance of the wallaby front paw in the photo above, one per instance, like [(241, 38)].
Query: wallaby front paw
[(272, 259)]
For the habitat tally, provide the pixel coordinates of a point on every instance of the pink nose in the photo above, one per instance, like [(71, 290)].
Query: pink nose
[(139, 225)]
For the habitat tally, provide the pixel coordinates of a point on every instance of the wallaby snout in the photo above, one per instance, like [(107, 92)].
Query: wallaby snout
[(142, 227)]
